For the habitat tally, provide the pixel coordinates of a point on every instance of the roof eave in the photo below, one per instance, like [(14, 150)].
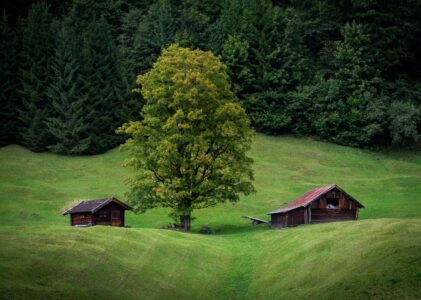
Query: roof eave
[(69, 211), (352, 198), (283, 212), (112, 199)]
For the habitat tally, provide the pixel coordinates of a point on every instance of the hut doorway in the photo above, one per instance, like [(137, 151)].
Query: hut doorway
[(115, 218)]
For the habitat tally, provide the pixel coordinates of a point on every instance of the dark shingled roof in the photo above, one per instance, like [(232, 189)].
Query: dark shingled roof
[(93, 206), (309, 197)]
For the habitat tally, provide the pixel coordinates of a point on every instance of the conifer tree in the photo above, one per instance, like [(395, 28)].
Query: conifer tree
[(289, 66), (267, 59), (105, 87), (155, 32), (130, 24), (249, 26), (8, 84), (348, 94), (68, 122), (37, 42)]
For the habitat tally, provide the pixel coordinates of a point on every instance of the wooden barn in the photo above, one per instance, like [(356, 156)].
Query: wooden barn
[(107, 211), (325, 204)]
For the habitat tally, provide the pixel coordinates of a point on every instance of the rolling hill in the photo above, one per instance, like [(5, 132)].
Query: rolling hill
[(378, 256)]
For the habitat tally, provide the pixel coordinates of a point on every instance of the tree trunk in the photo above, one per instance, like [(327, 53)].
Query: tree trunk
[(185, 222)]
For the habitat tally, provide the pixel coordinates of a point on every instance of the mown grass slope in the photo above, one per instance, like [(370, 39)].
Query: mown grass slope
[(42, 257)]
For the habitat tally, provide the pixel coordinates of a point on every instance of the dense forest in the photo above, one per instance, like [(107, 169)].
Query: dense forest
[(346, 71)]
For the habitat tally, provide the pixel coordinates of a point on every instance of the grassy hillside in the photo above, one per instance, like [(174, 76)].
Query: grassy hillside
[(378, 257)]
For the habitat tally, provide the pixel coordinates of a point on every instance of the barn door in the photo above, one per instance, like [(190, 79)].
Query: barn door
[(115, 218)]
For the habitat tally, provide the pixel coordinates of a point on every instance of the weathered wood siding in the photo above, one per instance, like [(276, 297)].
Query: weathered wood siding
[(111, 214), (81, 219), (318, 211), (292, 218), (344, 201), (331, 215)]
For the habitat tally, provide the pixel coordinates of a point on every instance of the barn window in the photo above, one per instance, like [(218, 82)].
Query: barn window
[(332, 203)]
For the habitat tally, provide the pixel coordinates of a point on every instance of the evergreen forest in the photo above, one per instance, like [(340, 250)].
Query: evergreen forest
[(344, 71)]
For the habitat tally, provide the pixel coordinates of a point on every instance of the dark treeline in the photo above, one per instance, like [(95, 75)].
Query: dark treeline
[(347, 71)]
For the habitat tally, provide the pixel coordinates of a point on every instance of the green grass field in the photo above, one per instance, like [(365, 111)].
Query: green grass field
[(377, 257)]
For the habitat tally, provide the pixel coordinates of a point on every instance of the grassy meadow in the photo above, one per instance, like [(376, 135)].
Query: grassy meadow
[(378, 256)]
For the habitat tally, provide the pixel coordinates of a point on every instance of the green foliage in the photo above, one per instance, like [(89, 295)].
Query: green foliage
[(105, 87), (68, 121), (189, 23), (190, 148), (321, 68), (235, 57), (193, 25), (9, 99), (126, 40), (37, 42), (155, 32), (405, 118), (346, 97), (267, 59)]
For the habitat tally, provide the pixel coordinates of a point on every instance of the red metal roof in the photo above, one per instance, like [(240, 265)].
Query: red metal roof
[(309, 197), (93, 205)]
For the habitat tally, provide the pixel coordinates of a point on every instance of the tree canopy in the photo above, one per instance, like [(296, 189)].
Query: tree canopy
[(190, 148), (333, 70)]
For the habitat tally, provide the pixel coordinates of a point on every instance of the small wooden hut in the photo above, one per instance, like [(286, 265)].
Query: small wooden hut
[(107, 211), (325, 204)]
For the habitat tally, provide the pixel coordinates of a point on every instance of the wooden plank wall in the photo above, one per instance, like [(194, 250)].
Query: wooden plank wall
[(329, 215), (108, 210), (82, 219), (344, 202), (318, 212), (292, 218)]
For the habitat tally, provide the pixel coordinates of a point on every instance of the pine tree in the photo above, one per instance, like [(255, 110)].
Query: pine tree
[(37, 40), (266, 59), (249, 26), (291, 67), (344, 106), (235, 56), (155, 32), (105, 87), (8, 84), (130, 24), (68, 124)]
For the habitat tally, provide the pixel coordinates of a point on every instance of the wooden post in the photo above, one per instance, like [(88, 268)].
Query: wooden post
[(309, 214)]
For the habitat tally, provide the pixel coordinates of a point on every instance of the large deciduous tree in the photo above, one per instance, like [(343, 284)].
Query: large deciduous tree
[(189, 150)]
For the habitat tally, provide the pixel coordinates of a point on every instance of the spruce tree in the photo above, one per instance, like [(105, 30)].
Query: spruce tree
[(267, 59), (344, 105), (8, 84), (249, 26), (155, 32), (105, 87), (68, 122), (130, 24), (37, 42)]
